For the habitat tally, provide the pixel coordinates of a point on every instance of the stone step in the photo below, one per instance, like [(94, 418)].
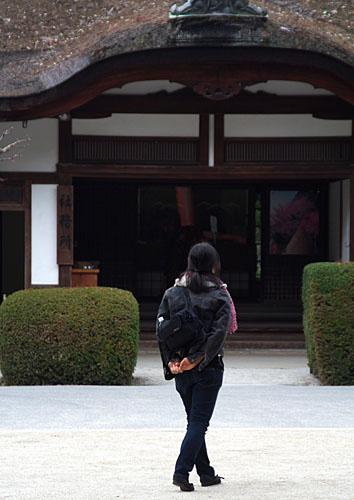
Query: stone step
[(242, 341), (246, 317), (240, 345), (263, 327)]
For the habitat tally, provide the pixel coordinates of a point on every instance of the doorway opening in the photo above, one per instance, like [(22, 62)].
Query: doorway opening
[(141, 233), (12, 252)]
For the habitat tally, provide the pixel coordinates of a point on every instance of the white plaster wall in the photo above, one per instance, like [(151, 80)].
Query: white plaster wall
[(284, 87), (235, 125), (211, 140), (284, 126), (41, 153), (278, 87), (334, 247), (346, 221), (125, 124), (146, 87), (44, 235)]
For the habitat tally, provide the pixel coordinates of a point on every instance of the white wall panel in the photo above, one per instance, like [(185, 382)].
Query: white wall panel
[(146, 87), (284, 126), (211, 140), (41, 153), (126, 124), (278, 87), (44, 235), (285, 87)]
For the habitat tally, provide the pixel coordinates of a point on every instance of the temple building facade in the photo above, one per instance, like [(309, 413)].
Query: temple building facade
[(233, 127)]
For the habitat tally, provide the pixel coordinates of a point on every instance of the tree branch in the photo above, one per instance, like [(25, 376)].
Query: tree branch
[(18, 143)]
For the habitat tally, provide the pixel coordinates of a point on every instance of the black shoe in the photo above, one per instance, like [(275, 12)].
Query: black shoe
[(210, 480), (183, 484)]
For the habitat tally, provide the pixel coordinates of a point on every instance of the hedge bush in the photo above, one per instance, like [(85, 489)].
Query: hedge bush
[(69, 336), (328, 298)]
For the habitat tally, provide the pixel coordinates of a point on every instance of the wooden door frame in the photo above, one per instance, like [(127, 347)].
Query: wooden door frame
[(265, 187), (242, 174)]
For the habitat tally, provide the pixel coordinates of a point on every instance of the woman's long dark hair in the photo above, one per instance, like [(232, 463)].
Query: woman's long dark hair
[(203, 267)]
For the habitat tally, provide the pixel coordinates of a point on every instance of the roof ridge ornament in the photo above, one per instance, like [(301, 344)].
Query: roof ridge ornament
[(216, 8)]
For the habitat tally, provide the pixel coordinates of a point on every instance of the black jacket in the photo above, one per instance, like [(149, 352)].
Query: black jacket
[(213, 308)]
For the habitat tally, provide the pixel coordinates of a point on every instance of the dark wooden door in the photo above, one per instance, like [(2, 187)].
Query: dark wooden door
[(141, 234), (173, 218), (12, 251)]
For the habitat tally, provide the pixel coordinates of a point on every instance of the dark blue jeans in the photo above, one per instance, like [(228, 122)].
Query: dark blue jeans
[(198, 391)]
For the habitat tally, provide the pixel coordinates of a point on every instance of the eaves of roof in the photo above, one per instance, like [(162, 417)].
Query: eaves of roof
[(44, 43)]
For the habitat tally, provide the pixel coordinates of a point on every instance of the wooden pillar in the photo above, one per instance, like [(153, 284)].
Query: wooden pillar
[(28, 233), (65, 207), (219, 140), (352, 218), (65, 141), (65, 276), (65, 230), (352, 201)]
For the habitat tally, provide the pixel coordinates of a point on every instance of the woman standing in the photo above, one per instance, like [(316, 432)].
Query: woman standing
[(198, 369)]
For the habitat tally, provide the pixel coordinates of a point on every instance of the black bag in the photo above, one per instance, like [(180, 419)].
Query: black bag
[(183, 329)]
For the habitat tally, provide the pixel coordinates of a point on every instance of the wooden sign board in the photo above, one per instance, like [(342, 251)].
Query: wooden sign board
[(65, 224)]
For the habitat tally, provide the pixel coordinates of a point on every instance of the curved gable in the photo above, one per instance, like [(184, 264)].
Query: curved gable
[(72, 46)]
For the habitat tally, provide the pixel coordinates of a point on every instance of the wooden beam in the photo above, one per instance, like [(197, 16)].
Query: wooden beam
[(193, 104), (219, 139), (34, 177), (12, 207), (247, 172)]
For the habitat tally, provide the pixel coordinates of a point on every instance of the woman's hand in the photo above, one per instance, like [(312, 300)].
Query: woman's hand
[(182, 366), (186, 365), (175, 367)]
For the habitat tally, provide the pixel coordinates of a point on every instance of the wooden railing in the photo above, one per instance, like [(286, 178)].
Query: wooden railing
[(134, 150), (287, 150)]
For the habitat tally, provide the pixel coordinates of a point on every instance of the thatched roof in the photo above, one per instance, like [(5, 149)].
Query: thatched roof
[(45, 42)]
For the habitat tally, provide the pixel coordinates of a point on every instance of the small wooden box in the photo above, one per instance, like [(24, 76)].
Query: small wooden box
[(84, 277)]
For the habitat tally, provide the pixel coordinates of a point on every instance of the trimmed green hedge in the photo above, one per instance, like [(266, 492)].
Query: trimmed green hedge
[(328, 298), (69, 336)]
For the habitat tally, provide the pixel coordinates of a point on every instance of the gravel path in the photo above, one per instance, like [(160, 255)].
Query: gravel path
[(276, 434), (241, 368), (257, 464)]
